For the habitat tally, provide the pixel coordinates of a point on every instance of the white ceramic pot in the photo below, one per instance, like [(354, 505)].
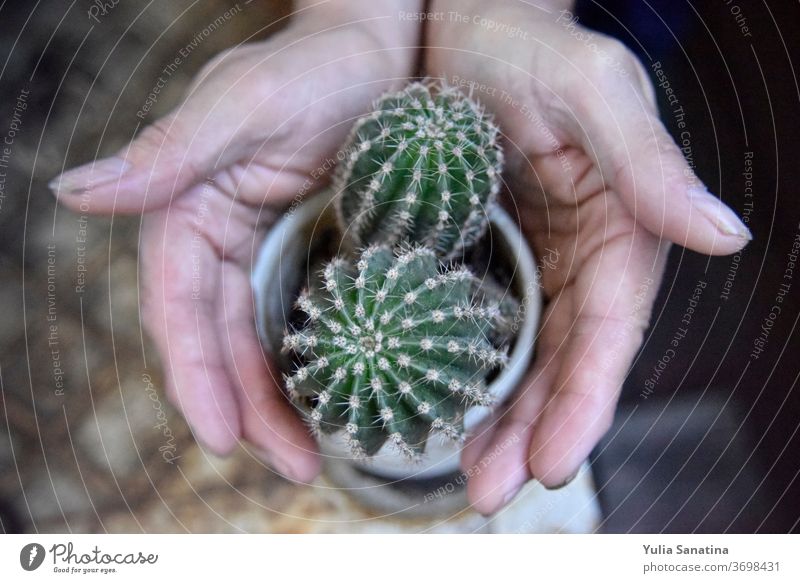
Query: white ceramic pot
[(282, 267)]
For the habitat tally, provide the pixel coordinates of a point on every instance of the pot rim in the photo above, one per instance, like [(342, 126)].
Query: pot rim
[(268, 266)]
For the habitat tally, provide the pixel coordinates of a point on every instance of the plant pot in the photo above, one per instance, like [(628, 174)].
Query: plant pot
[(307, 233)]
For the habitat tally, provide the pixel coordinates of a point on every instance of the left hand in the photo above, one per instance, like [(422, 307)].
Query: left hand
[(257, 122), (598, 182)]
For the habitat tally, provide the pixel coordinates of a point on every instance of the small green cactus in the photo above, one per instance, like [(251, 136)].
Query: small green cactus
[(424, 167), (394, 346)]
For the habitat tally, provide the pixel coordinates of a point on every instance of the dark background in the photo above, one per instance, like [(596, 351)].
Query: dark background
[(715, 447), (712, 449)]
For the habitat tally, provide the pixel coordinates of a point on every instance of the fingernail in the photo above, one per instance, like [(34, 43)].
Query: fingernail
[(510, 494), (515, 485), (566, 482), (89, 176), (715, 211)]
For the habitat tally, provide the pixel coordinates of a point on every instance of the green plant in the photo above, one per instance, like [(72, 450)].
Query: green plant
[(424, 167), (394, 345)]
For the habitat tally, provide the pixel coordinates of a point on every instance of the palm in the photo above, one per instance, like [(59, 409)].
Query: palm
[(198, 250), (600, 266), (593, 173), (595, 260)]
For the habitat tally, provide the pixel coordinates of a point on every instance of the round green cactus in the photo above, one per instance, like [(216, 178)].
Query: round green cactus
[(424, 167), (393, 347)]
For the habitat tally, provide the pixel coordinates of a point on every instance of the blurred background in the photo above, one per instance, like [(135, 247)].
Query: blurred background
[(706, 435)]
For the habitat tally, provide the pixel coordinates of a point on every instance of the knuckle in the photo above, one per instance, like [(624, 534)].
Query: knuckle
[(166, 141), (606, 58), (622, 175), (219, 63), (645, 85), (160, 135), (617, 50)]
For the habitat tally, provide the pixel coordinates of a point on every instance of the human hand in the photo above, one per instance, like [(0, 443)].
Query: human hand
[(600, 185), (256, 122)]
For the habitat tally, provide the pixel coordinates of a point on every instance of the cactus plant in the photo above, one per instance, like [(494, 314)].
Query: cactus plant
[(394, 346), (423, 167)]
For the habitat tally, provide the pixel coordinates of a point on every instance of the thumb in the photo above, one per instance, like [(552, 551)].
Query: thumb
[(179, 150), (644, 166)]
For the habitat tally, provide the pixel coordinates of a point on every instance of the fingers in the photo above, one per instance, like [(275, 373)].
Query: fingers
[(182, 276), (268, 420), (642, 163), (613, 296), (497, 462), (167, 157), (498, 467)]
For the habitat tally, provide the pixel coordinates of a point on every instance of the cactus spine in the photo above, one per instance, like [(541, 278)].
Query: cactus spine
[(394, 346), (424, 167)]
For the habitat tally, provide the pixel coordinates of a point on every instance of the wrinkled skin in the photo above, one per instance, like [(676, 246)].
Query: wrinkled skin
[(598, 185), (257, 121), (600, 189)]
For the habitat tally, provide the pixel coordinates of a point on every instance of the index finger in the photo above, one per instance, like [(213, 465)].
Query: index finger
[(612, 300)]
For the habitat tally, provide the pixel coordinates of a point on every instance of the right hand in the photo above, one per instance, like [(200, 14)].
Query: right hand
[(598, 179)]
